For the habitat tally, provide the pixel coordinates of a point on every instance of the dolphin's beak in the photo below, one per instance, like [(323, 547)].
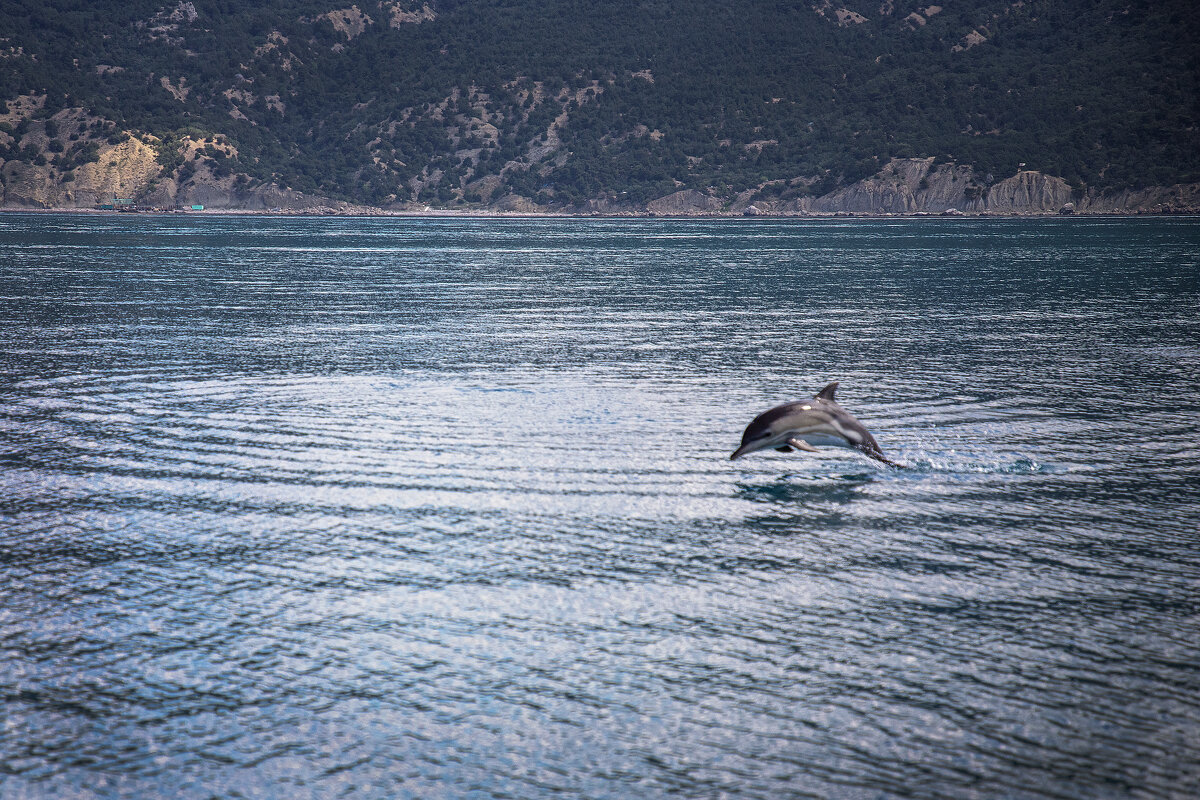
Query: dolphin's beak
[(741, 451)]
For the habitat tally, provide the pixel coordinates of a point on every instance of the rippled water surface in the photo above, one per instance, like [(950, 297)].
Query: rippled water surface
[(374, 508)]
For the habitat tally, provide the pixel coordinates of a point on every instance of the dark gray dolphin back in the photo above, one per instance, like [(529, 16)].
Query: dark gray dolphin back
[(763, 420), (868, 445)]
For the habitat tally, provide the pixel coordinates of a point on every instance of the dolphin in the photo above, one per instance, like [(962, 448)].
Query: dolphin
[(805, 423)]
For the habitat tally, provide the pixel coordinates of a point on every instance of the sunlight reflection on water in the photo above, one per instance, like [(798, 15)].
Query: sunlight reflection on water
[(387, 507)]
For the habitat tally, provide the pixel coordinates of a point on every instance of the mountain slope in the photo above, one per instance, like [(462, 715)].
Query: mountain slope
[(598, 104)]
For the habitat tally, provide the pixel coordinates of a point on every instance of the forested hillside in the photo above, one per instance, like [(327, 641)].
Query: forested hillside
[(562, 102)]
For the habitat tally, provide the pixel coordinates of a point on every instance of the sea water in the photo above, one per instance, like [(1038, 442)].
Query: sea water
[(374, 508)]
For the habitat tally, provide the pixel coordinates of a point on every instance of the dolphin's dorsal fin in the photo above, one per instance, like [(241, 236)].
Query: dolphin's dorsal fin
[(827, 392)]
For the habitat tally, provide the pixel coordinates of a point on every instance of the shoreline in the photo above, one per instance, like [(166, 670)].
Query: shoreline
[(483, 214)]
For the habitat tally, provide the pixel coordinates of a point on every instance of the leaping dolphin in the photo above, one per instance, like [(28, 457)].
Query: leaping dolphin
[(806, 423)]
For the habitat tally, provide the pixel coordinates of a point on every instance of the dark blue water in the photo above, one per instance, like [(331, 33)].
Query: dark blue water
[(375, 508)]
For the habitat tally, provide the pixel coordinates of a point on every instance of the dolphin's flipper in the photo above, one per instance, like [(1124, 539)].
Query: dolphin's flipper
[(800, 444), (827, 392), (784, 449)]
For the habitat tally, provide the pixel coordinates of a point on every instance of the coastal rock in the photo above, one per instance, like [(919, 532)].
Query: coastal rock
[(799, 206), (230, 193), (604, 206), (27, 186), (1028, 192), (161, 194), (127, 166), (1177, 199), (124, 170), (516, 203), (917, 185), (743, 200), (904, 186), (684, 203)]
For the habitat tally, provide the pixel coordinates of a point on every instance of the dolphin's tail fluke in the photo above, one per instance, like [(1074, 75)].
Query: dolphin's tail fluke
[(870, 449), (876, 454)]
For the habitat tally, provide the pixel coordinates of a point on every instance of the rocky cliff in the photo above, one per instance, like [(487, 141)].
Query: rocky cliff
[(1177, 199), (560, 107), (123, 170), (686, 202), (74, 160), (922, 186), (919, 185)]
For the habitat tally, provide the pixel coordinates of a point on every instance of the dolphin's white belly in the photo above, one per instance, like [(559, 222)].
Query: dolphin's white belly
[(822, 439)]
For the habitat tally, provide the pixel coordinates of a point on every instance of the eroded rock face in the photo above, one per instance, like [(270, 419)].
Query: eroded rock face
[(516, 203), (607, 207), (688, 201), (124, 170), (1177, 199), (27, 186), (904, 186), (916, 185), (129, 168), (1028, 192), (227, 193)]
